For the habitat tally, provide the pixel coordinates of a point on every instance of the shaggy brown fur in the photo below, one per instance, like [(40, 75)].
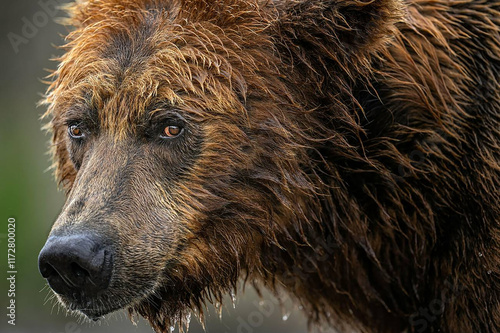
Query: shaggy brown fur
[(344, 151)]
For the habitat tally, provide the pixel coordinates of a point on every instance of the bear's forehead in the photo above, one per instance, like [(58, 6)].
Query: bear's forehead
[(123, 75)]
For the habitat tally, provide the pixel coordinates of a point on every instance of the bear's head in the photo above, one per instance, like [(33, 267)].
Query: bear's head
[(187, 134)]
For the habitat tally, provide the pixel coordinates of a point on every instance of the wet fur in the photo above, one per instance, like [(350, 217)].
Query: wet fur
[(349, 155)]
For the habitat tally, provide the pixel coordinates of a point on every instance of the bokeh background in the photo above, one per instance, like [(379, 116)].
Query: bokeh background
[(29, 193)]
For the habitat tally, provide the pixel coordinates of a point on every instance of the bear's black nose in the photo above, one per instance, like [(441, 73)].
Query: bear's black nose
[(76, 266)]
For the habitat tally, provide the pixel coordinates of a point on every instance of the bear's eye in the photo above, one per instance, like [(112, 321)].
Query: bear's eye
[(76, 132), (171, 131)]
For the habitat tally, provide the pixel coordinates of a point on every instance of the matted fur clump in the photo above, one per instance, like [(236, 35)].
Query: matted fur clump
[(345, 152)]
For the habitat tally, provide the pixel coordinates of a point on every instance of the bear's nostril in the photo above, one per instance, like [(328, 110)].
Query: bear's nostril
[(51, 274), (48, 271)]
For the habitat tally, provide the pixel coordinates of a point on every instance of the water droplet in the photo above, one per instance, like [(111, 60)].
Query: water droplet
[(489, 272), (286, 315), (200, 315), (233, 298), (218, 307), (480, 254), (187, 320), (301, 307)]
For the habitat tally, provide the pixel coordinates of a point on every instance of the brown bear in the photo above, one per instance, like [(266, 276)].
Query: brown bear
[(346, 152)]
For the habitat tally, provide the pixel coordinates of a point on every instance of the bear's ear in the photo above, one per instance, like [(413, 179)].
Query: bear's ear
[(345, 32)]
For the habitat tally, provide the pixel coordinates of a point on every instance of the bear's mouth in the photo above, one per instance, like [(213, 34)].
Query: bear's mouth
[(93, 308), (97, 307)]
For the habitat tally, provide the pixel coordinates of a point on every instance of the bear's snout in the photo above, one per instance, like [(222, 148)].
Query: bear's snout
[(76, 266)]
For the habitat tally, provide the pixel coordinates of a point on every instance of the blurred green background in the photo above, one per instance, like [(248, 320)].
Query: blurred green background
[(29, 193)]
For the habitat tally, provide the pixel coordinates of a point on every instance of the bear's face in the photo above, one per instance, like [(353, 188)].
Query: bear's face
[(128, 192), (163, 161)]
